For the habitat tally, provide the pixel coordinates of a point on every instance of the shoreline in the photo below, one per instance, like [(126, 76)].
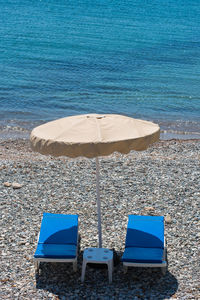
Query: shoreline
[(164, 135), (181, 130), (162, 180)]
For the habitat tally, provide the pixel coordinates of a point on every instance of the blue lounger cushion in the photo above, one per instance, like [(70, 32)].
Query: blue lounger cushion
[(59, 229), (145, 232), (143, 255), (55, 251)]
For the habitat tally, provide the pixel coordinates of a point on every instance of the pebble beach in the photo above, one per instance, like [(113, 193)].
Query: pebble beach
[(163, 180)]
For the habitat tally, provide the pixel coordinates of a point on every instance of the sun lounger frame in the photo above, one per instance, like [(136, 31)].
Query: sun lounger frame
[(162, 265), (38, 260)]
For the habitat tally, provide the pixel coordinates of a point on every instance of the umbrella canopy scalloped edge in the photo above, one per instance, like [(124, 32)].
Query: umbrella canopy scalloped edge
[(49, 140)]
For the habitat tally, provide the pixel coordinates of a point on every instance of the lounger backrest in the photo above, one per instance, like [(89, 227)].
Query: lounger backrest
[(59, 229), (145, 232)]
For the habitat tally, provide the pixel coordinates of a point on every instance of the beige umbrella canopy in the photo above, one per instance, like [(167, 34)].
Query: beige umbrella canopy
[(93, 135)]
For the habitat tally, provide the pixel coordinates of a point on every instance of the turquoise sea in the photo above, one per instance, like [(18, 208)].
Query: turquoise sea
[(139, 58)]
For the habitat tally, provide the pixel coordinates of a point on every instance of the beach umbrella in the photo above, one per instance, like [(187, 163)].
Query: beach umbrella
[(91, 136)]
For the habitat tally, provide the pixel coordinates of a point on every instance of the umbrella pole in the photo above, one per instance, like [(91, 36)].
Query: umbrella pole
[(98, 202)]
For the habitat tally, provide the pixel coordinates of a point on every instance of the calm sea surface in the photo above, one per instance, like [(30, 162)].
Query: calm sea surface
[(139, 58)]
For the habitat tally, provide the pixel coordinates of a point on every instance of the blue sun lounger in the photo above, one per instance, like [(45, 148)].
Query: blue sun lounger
[(145, 244), (58, 240)]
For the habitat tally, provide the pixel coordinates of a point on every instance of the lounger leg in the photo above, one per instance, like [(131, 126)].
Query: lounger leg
[(110, 270), (75, 265), (164, 270), (125, 269), (83, 270), (36, 264)]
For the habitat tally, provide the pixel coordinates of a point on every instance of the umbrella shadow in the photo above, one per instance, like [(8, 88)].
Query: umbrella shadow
[(60, 280), (140, 238), (64, 236)]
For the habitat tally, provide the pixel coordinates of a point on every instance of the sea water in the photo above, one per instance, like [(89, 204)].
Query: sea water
[(140, 58)]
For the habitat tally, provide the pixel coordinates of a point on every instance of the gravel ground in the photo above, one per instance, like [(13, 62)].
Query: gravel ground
[(164, 180)]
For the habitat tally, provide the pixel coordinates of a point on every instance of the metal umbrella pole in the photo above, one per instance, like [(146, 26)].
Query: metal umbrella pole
[(98, 202)]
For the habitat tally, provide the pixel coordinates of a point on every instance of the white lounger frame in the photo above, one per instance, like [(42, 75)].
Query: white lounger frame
[(162, 265), (38, 260)]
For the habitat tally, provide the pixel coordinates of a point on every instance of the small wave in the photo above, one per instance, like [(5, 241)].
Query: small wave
[(176, 134), (180, 132)]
